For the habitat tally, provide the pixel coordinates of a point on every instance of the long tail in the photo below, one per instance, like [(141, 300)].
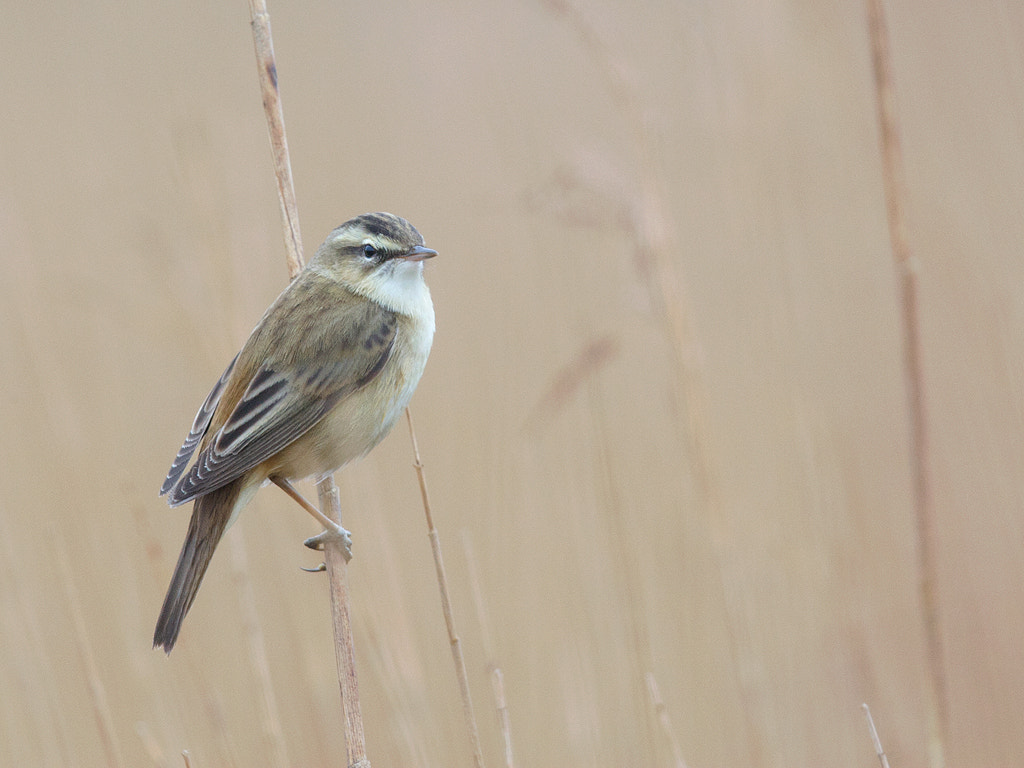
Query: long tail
[(210, 517)]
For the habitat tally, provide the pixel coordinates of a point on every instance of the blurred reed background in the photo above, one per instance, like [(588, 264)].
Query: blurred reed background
[(665, 408)]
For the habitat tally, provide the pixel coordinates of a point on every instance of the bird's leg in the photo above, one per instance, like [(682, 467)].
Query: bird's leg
[(332, 531)]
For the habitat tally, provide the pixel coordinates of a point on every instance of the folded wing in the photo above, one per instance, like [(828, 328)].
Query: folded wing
[(199, 427), (280, 403)]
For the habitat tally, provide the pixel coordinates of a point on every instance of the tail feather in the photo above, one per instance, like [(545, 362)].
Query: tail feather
[(211, 515)]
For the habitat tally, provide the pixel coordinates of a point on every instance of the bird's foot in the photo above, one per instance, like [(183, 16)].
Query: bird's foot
[(333, 533)]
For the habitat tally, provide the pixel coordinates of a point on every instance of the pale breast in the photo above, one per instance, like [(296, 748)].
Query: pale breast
[(355, 426)]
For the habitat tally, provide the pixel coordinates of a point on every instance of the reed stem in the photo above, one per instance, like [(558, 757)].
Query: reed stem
[(330, 503)]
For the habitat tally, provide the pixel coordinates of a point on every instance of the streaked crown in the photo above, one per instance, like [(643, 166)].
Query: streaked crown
[(375, 237), (379, 256)]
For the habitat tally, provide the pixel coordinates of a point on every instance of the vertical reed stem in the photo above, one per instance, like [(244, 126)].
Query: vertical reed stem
[(446, 603), (875, 741), (906, 271), (330, 504)]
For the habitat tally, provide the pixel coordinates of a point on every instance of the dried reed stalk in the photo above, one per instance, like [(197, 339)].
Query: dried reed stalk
[(274, 112), (906, 271), (330, 504), (446, 603), (665, 721), (656, 244), (874, 738), (497, 677)]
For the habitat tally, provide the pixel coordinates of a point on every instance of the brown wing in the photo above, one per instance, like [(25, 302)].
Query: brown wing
[(284, 398), (199, 427)]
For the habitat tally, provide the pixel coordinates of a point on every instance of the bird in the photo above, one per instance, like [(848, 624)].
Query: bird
[(321, 380)]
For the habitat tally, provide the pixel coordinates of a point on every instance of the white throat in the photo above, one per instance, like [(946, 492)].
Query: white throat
[(402, 289)]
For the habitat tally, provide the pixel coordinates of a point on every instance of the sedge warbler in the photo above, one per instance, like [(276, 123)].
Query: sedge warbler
[(321, 380)]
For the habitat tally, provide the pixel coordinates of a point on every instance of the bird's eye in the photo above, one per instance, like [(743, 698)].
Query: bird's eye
[(369, 251)]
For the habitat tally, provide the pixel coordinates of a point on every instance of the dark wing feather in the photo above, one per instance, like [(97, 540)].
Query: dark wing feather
[(278, 407), (199, 427)]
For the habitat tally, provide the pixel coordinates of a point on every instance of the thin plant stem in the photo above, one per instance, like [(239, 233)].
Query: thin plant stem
[(274, 112), (665, 721), (913, 374), (341, 615), (330, 504), (446, 603), (877, 742), (656, 243), (504, 719), (497, 677)]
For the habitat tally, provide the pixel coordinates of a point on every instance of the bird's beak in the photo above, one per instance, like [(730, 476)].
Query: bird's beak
[(419, 253)]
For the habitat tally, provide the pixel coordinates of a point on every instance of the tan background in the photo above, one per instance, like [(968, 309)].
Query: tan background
[(718, 493)]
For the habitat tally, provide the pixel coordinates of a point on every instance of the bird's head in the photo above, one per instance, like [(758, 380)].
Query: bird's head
[(378, 255)]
